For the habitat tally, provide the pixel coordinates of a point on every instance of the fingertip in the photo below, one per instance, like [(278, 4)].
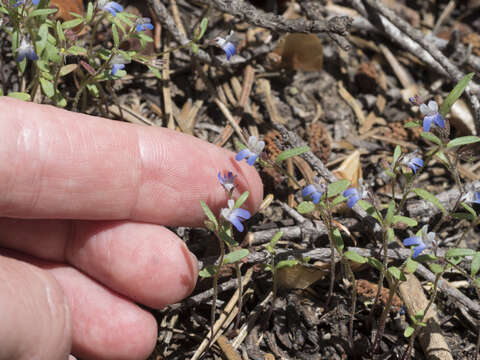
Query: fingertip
[(249, 180)]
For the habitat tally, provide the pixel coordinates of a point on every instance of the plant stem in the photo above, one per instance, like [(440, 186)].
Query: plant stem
[(215, 290)]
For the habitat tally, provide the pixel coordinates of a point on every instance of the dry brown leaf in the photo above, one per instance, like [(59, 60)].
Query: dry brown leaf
[(300, 52), (65, 7), (299, 276), (350, 169)]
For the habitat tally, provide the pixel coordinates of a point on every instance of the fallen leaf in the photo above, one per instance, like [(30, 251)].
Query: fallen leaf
[(300, 52)]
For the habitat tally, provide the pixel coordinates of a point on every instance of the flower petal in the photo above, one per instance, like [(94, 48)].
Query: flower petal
[(350, 192), (308, 190), (241, 213), (316, 197), (427, 123), (438, 120), (252, 158), (418, 250), (414, 240), (433, 106), (242, 154), (352, 201)]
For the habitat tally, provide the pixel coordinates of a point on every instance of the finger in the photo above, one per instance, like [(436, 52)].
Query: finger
[(145, 262), (35, 321), (59, 164), (105, 325)]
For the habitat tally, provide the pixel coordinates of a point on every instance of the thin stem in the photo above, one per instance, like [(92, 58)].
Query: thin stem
[(240, 295), (215, 290)]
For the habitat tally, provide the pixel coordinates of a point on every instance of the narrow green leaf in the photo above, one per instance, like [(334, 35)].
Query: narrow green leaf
[(370, 210), (390, 235), (72, 23), (47, 87), (411, 124), (463, 216), (284, 155), (424, 194), (67, 69), (195, 48), (337, 187), (411, 265), (305, 207), (396, 273), (20, 95), (455, 94), (464, 140), (404, 220), (235, 256), (42, 12), (436, 268), (408, 332), (242, 199), (59, 29), (76, 50), (89, 16), (209, 213), (43, 35), (275, 238), (390, 212), (459, 252), (475, 266), (469, 209), (207, 271), (375, 263), (116, 39), (396, 154), (353, 256), (200, 31), (429, 136), (156, 72), (419, 315), (337, 237), (286, 263)]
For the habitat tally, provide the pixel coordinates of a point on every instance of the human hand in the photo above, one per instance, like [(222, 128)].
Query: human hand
[(82, 238)]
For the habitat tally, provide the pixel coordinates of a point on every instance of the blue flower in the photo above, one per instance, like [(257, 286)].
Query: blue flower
[(111, 6), (253, 150), (26, 50), (431, 116), (226, 45), (235, 216), (412, 161), (118, 63), (314, 191), (425, 241), (22, 2), (227, 180), (353, 196), (143, 24), (471, 196)]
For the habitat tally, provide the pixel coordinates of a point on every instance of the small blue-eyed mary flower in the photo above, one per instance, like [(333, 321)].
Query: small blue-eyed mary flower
[(143, 24), (431, 116), (111, 6), (227, 180), (412, 161), (22, 2), (26, 50), (314, 191), (471, 196), (253, 150), (118, 63), (354, 195), (226, 45), (426, 240), (235, 216)]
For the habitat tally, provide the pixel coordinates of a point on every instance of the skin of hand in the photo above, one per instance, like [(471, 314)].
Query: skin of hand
[(84, 206)]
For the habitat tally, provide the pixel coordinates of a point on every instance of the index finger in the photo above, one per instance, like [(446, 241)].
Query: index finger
[(59, 164)]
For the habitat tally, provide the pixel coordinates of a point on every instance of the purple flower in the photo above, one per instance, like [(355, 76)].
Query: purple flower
[(431, 116), (118, 63), (227, 180), (226, 45), (143, 24), (425, 241), (253, 150), (26, 50), (412, 161), (235, 216), (111, 6), (314, 191)]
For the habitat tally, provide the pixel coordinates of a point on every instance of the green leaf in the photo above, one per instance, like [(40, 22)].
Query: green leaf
[(390, 235), (275, 238), (429, 136), (464, 140), (286, 263), (337, 187), (469, 209), (42, 12), (390, 212), (284, 155), (242, 199), (60, 34), (396, 154), (459, 252), (207, 271), (404, 220), (411, 124), (419, 315), (156, 72), (370, 210), (337, 238), (76, 50), (408, 331), (195, 48), (375, 263), (305, 207), (353, 256), (20, 95), (116, 39), (339, 199), (209, 213), (89, 16), (424, 194), (67, 69), (411, 265), (235, 256), (455, 94), (72, 23), (47, 87), (475, 266), (463, 216), (396, 273), (436, 268), (43, 35)]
